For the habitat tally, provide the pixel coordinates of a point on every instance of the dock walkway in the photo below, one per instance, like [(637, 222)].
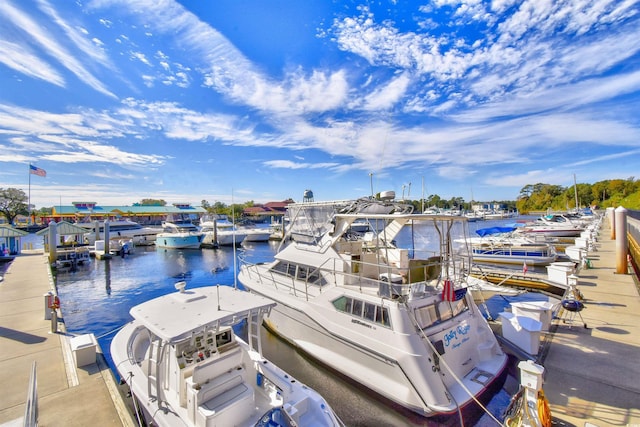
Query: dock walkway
[(67, 396), (592, 376)]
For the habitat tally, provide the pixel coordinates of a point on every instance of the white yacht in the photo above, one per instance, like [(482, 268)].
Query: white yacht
[(255, 234), (218, 231), (554, 225), (121, 228), (388, 308), (180, 234), (185, 365)]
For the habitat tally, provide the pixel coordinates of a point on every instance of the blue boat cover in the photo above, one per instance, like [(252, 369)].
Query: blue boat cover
[(494, 230)]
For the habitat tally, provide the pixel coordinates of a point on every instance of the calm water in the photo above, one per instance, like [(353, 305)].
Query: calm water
[(97, 298)]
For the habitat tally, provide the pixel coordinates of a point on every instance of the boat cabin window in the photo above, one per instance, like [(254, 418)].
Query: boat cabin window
[(442, 311), (307, 274), (366, 310)]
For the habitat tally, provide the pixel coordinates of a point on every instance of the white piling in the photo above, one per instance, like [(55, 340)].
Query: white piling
[(107, 249), (53, 242), (622, 242), (612, 222)]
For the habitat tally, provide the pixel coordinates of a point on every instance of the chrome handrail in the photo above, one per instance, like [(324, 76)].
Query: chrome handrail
[(31, 405)]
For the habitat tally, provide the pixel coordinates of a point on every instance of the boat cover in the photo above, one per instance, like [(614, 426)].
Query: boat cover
[(494, 230)]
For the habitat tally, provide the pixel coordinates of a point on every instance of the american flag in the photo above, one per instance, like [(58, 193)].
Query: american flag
[(448, 292), (37, 171), (524, 267)]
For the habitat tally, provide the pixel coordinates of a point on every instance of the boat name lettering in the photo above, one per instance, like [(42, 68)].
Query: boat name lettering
[(465, 339), (360, 323), (453, 334)]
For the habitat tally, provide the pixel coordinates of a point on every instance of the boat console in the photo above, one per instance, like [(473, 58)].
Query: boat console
[(203, 345)]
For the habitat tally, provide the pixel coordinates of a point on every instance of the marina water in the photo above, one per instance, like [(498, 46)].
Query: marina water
[(96, 298)]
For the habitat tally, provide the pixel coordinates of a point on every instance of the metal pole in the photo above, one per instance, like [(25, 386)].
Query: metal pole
[(54, 320)]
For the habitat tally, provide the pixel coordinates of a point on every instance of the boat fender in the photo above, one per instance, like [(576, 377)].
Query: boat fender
[(259, 379)]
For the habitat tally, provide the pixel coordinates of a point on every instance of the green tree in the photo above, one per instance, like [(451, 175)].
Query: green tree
[(13, 202), (151, 202)]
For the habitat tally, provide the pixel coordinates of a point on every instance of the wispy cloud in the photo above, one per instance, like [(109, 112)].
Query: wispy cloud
[(38, 36), (20, 58)]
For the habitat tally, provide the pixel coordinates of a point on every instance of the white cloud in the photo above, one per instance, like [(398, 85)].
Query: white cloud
[(21, 59), (39, 36)]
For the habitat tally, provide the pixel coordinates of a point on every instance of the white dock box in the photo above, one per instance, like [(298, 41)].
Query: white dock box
[(524, 332), (542, 311), (558, 272), (84, 349)]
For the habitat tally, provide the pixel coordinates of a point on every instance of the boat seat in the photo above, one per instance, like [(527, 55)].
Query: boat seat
[(216, 366), (224, 401), (214, 376)]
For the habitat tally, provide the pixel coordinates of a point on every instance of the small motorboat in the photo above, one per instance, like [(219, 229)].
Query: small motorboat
[(185, 365)]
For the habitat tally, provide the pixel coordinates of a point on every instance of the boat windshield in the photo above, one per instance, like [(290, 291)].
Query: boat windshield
[(433, 314)]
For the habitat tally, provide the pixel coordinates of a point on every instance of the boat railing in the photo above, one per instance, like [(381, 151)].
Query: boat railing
[(419, 278)]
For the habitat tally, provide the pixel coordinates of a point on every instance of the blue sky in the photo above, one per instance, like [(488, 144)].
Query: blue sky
[(259, 100)]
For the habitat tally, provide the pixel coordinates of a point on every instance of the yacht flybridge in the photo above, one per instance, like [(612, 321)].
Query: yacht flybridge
[(185, 365), (386, 305)]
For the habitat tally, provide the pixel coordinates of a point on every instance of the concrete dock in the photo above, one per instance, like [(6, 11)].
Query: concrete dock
[(67, 395), (592, 375)]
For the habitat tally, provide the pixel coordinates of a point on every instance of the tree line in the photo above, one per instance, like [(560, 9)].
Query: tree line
[(532, 197), (602, 194)]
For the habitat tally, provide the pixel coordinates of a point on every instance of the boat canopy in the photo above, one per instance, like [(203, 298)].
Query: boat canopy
[(173, 316), (494, 230)]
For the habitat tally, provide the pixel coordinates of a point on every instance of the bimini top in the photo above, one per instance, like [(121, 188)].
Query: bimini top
[(172, 317), (494, 230)]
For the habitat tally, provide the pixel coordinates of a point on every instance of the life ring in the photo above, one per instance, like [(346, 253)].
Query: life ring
[(54, 302)]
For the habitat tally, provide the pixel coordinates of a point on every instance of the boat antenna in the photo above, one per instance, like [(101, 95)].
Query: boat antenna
[(233, 231), (218, 295)]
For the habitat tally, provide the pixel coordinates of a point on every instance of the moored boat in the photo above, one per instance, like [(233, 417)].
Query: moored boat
[(218, 231), (255, 234), (501, 245), (179, 235), (387, 308), (122, 228), (185, 365), (553, 225)]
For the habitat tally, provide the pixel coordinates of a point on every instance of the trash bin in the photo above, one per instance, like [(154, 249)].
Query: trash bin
[(537, 310), (523, 332), (84, 349)]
